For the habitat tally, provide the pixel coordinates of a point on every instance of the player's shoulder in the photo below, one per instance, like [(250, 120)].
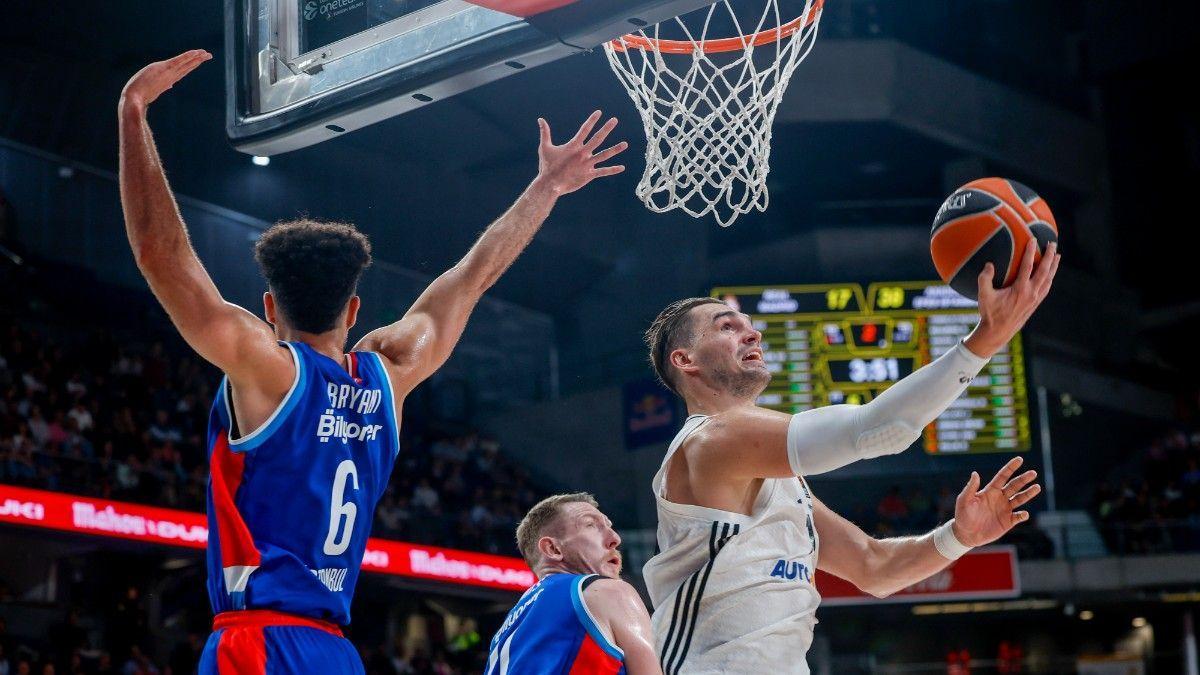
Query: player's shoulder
[(273, 369), (606, 590), (615, 602), (735, 427)]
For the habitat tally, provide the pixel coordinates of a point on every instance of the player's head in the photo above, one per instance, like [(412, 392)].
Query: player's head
[(569, 533), (703, 342), (312, 270)]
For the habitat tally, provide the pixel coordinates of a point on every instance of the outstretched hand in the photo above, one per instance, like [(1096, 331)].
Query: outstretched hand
[(566, 168), (1004, 311), (150, 82), (982, 516)]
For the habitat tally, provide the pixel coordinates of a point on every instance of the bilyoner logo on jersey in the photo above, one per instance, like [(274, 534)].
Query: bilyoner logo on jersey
[(346, 397)]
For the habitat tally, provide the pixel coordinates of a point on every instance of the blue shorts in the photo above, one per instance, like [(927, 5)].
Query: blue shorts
[(262, 642)]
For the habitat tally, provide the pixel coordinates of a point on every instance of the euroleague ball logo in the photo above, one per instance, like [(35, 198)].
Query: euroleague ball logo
[(956, 201), (310, 10)]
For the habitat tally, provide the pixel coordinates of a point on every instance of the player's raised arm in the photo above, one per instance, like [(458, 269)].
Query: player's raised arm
[(751, 442), (226, 335), (617, 606), (883, 566), (421, 341)]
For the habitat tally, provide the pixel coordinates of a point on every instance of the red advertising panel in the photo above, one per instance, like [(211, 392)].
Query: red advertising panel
[(982, 573), (88, 515)]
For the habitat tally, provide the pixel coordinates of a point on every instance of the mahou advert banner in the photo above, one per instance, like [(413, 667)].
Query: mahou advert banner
[(154, 525)]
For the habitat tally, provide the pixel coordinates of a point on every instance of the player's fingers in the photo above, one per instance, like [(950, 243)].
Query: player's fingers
[(595, 141), (1044, 265), (588, 125), (1006, 472), (1019, 517), (610, 152), (1015, 485), (1022, 498), (1026, 270), (972, 485), (544, 132), (177, 68), (607, 171), (187, 61), (193, 64), (1049, 280), (986, 290)]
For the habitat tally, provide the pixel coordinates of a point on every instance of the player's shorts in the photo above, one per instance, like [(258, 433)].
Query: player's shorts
[(264, 642)]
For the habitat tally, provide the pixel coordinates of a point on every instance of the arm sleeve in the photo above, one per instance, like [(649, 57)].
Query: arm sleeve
[(831, 437)]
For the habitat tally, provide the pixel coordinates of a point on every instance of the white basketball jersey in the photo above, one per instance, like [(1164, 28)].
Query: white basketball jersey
[(734, 593)]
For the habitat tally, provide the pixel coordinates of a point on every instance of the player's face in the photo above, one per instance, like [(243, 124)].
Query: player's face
[(728, 350), (589, 543)]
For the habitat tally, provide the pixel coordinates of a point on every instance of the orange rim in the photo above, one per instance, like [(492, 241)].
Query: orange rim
[(732, 44)]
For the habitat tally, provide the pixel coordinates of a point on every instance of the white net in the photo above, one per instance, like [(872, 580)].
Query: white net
[(708, 114)]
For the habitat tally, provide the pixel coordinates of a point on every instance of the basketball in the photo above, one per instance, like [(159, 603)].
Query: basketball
[(988, 220)]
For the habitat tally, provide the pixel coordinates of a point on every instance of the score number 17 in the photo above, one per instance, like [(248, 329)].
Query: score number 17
[(838, 298)]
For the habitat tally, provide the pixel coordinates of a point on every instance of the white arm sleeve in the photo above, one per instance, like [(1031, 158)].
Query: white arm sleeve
[(824, 439)]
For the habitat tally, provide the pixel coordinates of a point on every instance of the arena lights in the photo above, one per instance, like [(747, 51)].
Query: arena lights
[(1086, 615), (260, 160)]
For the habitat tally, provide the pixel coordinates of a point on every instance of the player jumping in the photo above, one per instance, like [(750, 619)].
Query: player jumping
[(580, 617), (302, 437), (739, 529)]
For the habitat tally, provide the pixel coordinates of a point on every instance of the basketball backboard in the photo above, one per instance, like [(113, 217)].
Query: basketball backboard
[(299, 72)]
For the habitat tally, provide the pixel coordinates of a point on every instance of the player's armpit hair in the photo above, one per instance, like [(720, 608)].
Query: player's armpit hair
[(829, 438)]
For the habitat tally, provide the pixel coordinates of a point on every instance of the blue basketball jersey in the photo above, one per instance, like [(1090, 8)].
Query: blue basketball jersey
[(551, 632), (290, 504)]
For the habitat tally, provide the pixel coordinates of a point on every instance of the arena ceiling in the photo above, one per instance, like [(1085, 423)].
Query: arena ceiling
[(423, 187)]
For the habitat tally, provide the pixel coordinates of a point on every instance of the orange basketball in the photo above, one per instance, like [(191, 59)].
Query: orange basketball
[(988, 220)]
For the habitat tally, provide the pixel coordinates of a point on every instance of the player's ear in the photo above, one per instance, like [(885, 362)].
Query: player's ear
[(682, 359), (269, 307), (549, 549), (352, 312)]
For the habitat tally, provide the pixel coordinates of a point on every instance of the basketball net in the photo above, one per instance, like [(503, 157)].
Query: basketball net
[(708, 103)]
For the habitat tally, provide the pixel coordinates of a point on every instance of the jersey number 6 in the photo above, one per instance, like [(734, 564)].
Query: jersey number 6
[(338, 539)]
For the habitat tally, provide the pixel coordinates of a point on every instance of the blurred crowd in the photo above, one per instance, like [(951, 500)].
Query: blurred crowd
[(106, 641), (87, 409), (115, 638), (1154, 507), (127, 421)]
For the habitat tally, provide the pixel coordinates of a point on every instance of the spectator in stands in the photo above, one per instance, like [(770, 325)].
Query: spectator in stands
[(138, 663), (425, 497), (163, 430)]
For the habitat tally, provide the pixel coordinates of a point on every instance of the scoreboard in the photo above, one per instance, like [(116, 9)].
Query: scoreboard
[(834, 343)]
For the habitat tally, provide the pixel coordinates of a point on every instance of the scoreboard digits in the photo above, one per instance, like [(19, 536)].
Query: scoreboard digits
[(835, 343)]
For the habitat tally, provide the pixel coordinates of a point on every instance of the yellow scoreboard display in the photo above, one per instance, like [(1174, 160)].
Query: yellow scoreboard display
[(835, 343)]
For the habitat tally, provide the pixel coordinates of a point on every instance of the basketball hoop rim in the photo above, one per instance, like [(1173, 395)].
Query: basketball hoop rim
[(632, 41)]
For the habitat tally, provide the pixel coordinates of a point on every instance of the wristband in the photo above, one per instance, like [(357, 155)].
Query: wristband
[(946, 543)]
